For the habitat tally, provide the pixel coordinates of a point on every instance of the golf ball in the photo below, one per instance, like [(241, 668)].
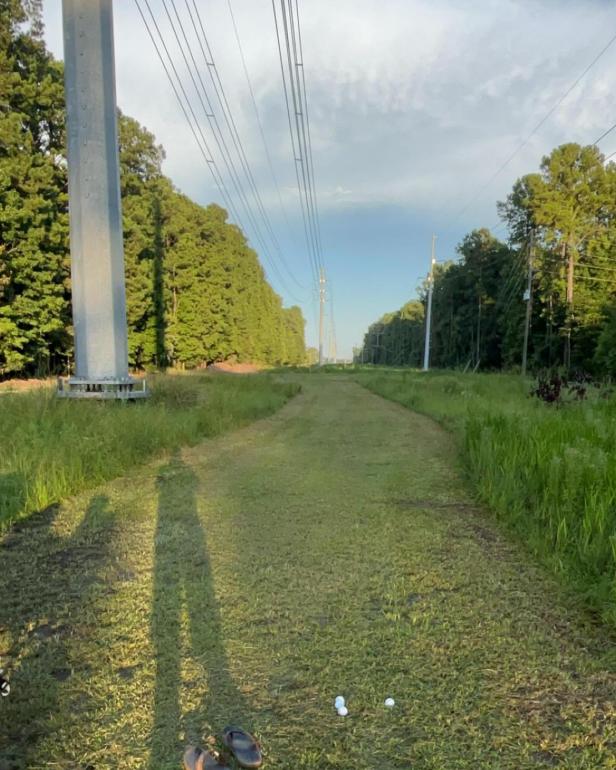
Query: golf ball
[(390, 703), (343, 711), (339, 702)]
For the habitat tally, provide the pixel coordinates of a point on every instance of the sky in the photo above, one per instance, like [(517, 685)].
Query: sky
[(413, 104)]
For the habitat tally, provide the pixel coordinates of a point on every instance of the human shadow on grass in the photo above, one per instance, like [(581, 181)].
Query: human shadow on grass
[(184, 595), (46, 581)]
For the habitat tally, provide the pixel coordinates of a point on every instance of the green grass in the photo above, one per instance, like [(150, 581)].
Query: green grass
[(330, 548), (548, 473), (52, 448)]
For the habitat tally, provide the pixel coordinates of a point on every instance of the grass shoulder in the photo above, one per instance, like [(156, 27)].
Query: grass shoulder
[(52, 448), (548, 473)]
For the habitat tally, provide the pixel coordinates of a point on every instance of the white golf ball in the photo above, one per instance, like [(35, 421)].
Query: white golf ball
[(343, 711), (390, 703), (339, 702)]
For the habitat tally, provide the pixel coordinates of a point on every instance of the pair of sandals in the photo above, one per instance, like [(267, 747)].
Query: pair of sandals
[(241, 744)]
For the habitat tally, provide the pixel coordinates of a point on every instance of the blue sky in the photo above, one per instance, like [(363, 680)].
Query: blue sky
[(413, 104)]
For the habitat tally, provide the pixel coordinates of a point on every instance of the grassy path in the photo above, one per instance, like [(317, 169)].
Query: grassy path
[(329, 549)]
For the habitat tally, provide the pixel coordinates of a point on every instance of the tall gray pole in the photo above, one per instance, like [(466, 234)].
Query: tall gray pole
[(97, 255), (426, 363), (529, 302), (321, 316)]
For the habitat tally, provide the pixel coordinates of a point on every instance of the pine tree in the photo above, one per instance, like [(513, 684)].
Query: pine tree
[(34, 266)]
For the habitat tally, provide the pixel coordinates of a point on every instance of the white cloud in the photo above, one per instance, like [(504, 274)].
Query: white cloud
[(407, 97), (413, 103)]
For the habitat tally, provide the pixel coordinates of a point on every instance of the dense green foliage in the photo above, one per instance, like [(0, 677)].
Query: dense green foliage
[(548, 473), (34, 309), (196, 291), (564, 219), (52, 448)]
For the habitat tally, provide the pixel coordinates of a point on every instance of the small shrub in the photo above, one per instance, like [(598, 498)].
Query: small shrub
[(549, 388)]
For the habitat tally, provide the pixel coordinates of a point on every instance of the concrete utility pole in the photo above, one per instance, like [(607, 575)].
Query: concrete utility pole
[(529, 301), (426, 363), (97, 254), (321, 316)]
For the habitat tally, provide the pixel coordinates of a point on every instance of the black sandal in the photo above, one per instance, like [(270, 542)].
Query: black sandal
[(244, 747), (197, 759)]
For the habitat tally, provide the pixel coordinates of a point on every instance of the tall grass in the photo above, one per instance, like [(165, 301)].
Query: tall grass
[(51, 448), (549, 473)]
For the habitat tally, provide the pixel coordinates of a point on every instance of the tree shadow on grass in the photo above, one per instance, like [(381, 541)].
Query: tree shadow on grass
[(184, 595), (45, 582)]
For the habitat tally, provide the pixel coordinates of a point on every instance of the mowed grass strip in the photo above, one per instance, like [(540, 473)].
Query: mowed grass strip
[(51, 448), (329, 549), (549, 473)]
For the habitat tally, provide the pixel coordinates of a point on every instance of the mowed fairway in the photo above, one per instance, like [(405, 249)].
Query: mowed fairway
[(330, 549)]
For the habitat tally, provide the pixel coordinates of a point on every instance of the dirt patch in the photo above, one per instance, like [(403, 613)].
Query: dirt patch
[(231, 367), (433, 504), (20, 386)]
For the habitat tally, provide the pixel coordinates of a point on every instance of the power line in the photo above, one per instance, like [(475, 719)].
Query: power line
[(605, 133), (295, 85), (596, 267), (292, 93), (217, 132), (257, 116), (596, 278), (232, 127), (307, 231), (525, 141), (310, 157), (188, 111)]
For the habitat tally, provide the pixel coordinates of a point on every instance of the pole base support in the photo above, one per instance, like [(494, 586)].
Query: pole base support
[(122, 389)]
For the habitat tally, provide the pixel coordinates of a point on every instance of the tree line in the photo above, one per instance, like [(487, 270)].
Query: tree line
[(559, 256), (195, 290)]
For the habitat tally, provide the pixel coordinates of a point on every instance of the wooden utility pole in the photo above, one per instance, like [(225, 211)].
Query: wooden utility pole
[(529, 301)]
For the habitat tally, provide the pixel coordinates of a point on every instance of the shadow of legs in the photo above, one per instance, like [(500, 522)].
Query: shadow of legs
[(184, 589)]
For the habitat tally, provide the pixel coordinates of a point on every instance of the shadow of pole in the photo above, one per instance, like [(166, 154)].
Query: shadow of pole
[(183, 592)]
